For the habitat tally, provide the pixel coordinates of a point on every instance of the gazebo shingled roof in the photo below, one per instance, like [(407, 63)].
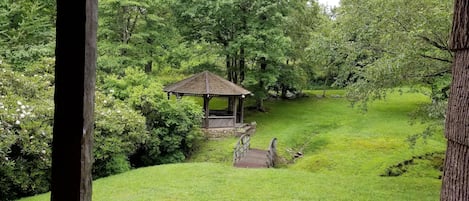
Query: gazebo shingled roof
[(206, 83)]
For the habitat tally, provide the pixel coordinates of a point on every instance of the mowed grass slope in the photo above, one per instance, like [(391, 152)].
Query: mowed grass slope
[(335, 137), (345, 152), (215, 182)]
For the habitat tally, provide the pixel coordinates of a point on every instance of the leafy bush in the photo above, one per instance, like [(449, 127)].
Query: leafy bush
[(173, 126), (119, 130), (135, 125), (292, 79), (174, 123), (25, 133), (26, 119)]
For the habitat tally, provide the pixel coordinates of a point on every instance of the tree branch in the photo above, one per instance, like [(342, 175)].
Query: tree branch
[(434, 43), (438, 74), (436, 58)]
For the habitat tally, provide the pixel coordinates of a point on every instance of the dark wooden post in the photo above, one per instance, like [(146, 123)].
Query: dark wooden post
[(456, 171), (74, 100), (207, 110), (241, 106), (235, 110)]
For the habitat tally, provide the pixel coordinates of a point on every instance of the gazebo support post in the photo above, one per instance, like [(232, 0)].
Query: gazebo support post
[(207, 110), (241, 106), (235, 109)]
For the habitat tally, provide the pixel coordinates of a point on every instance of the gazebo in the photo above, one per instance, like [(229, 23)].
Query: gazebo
[(209, 85)]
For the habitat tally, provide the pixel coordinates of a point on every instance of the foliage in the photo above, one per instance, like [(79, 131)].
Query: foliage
[(213, 68), (303, 20), (250, 34), (173, 126), (325, 55), (372, 47), (26, 31), (393, 43), (292, 79), (25, 131), (134, 33), (26, 111), (119, 131)]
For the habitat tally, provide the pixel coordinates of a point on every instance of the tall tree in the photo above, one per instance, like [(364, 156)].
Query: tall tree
[(456, 171), (325, 55), (269, 45), (394, 43), (134, 34), (224, 23), (250, 34)]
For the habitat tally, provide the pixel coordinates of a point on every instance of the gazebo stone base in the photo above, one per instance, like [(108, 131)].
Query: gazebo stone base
[(218, 133)]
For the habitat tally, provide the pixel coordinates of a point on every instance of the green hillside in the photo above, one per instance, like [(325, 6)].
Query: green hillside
[(346, 154)]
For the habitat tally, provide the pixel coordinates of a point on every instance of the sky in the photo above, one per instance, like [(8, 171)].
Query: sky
[(329, 2)]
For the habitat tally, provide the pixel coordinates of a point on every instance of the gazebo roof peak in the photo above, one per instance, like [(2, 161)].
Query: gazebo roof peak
[(206, 83)]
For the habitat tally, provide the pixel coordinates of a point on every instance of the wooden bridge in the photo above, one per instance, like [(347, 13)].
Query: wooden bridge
[(245, 157)]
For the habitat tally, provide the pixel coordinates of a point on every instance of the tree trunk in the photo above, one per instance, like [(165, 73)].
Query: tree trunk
[(456, 171), (242, 65), (234, 70), (244, 30), (228, 67), (284, 91), (260, 99), (325, 86), (75, 76), (148, 67)]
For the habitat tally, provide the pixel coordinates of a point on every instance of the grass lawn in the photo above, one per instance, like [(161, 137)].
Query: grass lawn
[(345, 152), (335, 137), (211, 181)]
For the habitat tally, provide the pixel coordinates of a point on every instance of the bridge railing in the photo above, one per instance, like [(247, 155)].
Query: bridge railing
[(272, 153), (241, 147)]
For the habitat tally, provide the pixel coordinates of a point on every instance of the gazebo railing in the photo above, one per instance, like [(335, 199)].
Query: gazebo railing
[(220, 121)]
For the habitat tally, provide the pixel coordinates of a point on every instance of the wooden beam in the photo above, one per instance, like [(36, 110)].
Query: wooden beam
[(207, 110), (235, 109), (75, 75), (241, 105)]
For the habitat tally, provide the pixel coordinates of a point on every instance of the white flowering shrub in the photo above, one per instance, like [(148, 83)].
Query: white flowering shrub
[(26, 112), (26, 119), (135, 125)]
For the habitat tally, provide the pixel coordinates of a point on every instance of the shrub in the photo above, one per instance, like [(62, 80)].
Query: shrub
[(174, 123), (25, 132), (119, 131), (173, 126), (26, 119)]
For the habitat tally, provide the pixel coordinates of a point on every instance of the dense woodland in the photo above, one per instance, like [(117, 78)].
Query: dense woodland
[(271, 47)]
